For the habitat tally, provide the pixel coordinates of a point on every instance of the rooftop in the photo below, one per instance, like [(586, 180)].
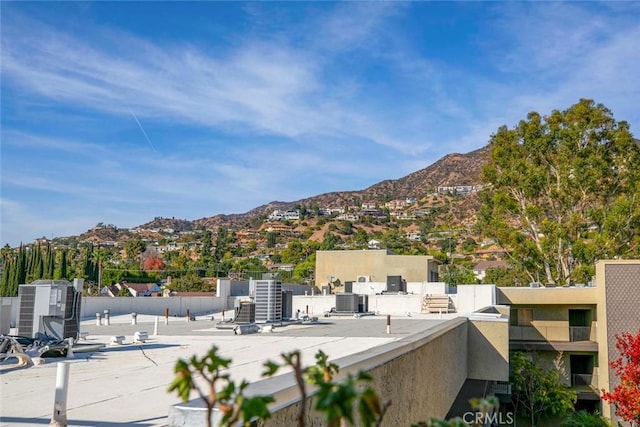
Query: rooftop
[(126, 384)]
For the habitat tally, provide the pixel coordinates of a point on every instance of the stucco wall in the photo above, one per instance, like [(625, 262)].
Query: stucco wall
[(381, 304), (421, 378), (348, 265), (474, 297), (152, 305), (420, 374), (316, 304), (490, 339), (547, 296)]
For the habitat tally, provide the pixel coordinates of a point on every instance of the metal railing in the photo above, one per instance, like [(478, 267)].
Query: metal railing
[(501, 388), (583, 379), (579, 333)]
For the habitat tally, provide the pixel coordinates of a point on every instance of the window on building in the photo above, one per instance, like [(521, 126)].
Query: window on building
[(521, 316)]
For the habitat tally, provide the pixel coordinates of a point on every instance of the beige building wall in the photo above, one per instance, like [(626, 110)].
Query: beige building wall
[(377, 264), (547, 296), (616, 298), (422, 381), (551, 322), (490, 339)]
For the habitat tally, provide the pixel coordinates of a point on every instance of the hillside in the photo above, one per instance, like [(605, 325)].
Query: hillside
[(452, 169)]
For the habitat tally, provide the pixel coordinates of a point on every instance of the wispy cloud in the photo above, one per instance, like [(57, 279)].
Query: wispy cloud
[(288, 108), (270, 88)]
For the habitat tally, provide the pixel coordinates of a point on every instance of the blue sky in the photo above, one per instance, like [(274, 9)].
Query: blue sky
[(118, 112)]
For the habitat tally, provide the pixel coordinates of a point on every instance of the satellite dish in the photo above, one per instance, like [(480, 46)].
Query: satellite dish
[(331, 278)]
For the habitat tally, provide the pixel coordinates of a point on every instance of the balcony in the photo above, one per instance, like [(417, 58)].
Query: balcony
[(580, 333), (553, 338), (552, 333), (581, 380)]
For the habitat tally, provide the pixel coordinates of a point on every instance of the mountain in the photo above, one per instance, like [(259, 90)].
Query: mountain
[(452, 169)]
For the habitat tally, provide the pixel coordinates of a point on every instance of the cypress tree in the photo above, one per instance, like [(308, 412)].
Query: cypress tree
[(22, 268), (62, 270), (29, 265), (39, 267), (49, 264), (6, 277)]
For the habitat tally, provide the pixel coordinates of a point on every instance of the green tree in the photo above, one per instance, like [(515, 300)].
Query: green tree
[(538, 393), (189, 283), (49, 263), (220, 390), (427, 224), (454, 275), (7, 276), (61, 271), (396, 242), (224, 238), (134, 248), (585, 419), (207, 242), (469, 245), (329, 242), (305, 269), (345, 227), (293, 253), (271, 240), (361, 238), (566, 180), (503, 276)]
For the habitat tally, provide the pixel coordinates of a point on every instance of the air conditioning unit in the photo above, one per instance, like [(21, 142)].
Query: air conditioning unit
[(363, 279), (347, 303), (50, 308)]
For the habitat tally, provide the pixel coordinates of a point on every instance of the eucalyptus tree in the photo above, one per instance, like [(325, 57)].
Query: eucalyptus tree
[(563, 191)]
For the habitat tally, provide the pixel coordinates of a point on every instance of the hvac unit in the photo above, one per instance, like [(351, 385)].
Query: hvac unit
[(363, 303), (268, 301), (396, 284), (5, 316), (347, 303), (348, 287), (287, 304), (50, 308), (245, 312), (363, 279)]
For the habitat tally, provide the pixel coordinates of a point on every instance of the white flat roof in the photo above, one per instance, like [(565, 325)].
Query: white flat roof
[(126, 385)]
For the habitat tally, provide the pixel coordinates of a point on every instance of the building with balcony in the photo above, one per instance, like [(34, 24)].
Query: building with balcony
[(574, 328)]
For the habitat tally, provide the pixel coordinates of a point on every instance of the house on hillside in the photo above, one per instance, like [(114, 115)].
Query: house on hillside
[(373, 244), (348, 217), (277, 227), (111, 291), (414, 235), (480, 269), (396, 204), (281, 267), (142, 289)]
